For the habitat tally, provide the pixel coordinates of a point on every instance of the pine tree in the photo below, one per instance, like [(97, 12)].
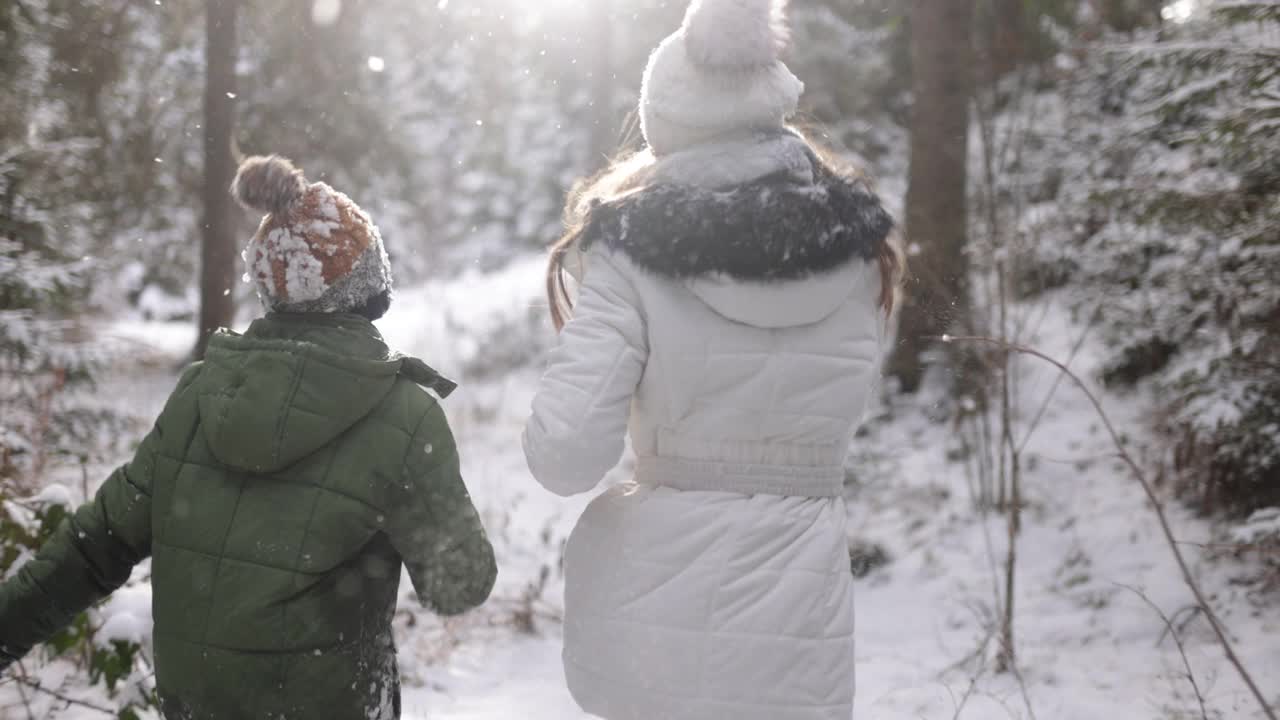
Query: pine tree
[(46, 354), (1205, 317), (1166, 198), (855, 61)]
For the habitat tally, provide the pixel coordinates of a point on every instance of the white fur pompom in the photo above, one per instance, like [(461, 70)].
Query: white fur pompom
[(735, 34), (268, 184)]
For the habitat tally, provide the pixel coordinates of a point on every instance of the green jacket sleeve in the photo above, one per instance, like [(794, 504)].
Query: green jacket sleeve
[(90, 555), (436, 528)]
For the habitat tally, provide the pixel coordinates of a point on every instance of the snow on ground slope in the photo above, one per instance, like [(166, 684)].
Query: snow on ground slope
[(1087, 647)]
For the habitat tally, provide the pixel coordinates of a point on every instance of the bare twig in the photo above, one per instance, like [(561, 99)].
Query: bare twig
[(1053, 389), (1022, 687), (23, 682), (1007, 657), (1231, 547), (1005, 660), (1004, 704), (1168, 624), (987, 474), (26, 702), (991, 560), (1156, 505), (968, 693), (980, 654), (970, 461), (1180, 622)]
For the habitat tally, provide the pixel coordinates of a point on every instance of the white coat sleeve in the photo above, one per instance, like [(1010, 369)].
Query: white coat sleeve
[(578, 426)]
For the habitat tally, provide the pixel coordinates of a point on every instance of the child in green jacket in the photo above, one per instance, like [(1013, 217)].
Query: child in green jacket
[(287, 479)]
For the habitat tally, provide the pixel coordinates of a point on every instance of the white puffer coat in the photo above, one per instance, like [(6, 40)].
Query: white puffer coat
[(717, 585)]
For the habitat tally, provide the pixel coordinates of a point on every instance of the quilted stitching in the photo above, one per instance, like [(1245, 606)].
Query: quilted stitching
[(644, 353), (253, 573)]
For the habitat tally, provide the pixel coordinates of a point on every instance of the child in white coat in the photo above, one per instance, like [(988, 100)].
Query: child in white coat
[(734, 288)]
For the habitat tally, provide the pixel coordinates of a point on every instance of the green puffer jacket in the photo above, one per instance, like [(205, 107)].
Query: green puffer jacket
[(289, 476)]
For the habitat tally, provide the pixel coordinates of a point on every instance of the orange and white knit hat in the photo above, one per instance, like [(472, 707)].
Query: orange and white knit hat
[(316, 250)]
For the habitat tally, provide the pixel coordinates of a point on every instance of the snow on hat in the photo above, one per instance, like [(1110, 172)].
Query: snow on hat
[(316, 250), (719, 73)]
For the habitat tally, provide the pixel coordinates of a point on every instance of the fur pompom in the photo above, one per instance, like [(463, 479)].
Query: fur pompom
[(268, 184), (736, 34)]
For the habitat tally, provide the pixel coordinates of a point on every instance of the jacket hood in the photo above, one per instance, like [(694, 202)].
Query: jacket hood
[(784, 249), (294, 382), (785, 304)]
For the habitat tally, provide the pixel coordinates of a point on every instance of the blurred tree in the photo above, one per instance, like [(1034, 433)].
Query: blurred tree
[(936, 216), (1006, 32), (854, 58), (310, 90), (1127, 16), (1015, 34), (1188, 249), (217, 306), (48, 354), (603, 135), (1152, 206)]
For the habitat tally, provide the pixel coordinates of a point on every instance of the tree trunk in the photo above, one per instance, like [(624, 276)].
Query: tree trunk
[(1127, 16), (936, 296), (217, 304), (1010, 38)]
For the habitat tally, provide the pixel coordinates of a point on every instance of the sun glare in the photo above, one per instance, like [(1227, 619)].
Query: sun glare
[(326, 12), (1179, 11)]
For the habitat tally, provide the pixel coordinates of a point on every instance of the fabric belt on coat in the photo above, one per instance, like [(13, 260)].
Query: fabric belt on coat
[(747, 478)]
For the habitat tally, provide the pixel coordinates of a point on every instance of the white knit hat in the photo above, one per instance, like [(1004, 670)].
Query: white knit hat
[(719, 73)]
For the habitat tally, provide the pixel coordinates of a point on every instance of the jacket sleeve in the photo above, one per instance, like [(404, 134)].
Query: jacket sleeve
[(435, 526), (90, 554), (578, 426)]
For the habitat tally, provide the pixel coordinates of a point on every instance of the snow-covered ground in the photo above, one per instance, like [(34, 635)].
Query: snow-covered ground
[(1088, 647)]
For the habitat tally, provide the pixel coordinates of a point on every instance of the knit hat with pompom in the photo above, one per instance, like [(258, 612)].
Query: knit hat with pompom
[(719, 74), (316, 250)]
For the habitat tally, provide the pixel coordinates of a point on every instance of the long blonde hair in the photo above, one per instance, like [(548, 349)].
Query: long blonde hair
[(630, 172)]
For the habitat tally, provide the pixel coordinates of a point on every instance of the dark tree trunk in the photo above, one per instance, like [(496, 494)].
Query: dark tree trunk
[(1127, 16), (217, 303), (1010, 38), (936, 297)]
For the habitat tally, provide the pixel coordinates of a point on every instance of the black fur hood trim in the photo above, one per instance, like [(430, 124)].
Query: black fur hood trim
[(775, 228)]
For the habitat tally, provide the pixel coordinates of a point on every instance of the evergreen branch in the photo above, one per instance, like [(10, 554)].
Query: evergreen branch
[(1197, 52), (1242, 11)]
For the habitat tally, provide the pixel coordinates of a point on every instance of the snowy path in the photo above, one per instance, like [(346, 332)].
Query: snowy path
[(1087, 646), (520, 679)]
